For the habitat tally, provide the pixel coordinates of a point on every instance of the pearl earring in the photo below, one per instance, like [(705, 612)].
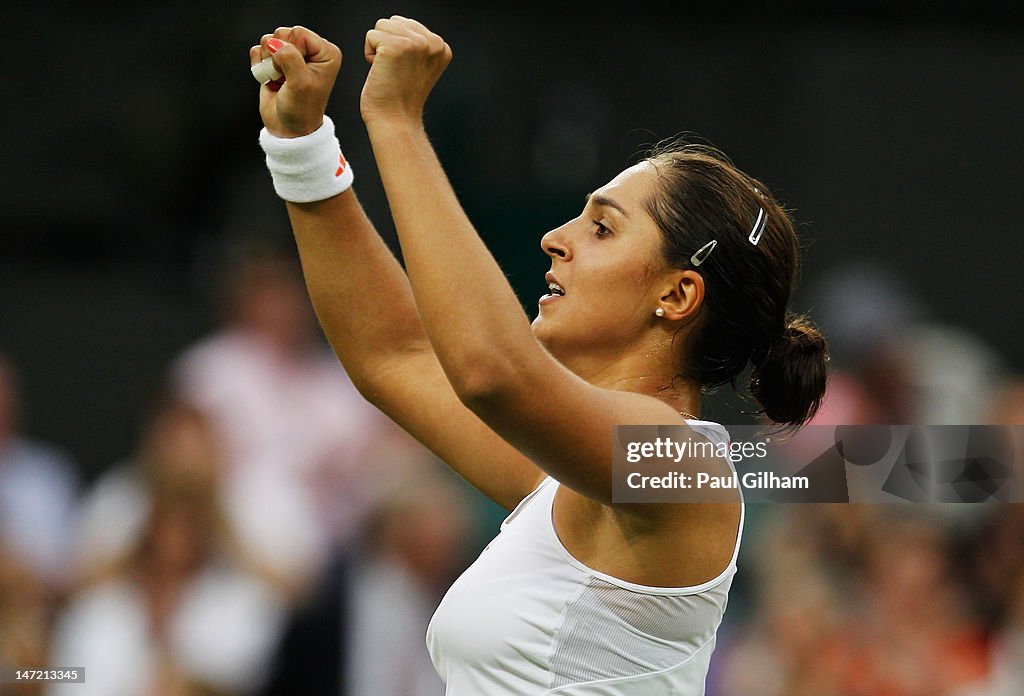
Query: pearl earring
[(660, 311)]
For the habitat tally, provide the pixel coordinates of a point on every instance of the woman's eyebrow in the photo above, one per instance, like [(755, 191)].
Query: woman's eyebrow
[(601, 199)]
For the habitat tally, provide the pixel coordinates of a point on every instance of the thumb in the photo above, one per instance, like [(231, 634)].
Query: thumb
[(370, 46)]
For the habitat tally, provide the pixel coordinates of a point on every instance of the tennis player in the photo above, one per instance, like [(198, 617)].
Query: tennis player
[(674, 278)]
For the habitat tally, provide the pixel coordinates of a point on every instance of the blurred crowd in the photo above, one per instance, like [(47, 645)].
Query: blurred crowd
[(265, 508), (887, 599), (272, 533)]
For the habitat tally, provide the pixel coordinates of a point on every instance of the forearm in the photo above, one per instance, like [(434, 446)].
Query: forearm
[(359, 291), (469, 311)]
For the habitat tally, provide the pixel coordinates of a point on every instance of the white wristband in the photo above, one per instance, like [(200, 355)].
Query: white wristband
[(308, 168)]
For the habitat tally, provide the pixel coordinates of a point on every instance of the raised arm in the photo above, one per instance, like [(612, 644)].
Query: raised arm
[(348, 268), (362, 296), (479, 331)]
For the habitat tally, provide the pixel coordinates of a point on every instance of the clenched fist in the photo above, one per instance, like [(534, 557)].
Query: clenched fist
[(406, 59), (294, 104)]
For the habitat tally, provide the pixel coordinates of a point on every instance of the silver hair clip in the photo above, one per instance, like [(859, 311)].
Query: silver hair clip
[(702, 254), (759, 224), (758, 229)]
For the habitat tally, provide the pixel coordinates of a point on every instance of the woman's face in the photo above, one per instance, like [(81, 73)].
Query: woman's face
[(607, 269)]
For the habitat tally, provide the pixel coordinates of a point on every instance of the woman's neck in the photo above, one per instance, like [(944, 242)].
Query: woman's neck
[(642, 374)]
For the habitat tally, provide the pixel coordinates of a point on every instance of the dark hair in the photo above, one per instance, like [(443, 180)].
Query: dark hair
[(701, 196)]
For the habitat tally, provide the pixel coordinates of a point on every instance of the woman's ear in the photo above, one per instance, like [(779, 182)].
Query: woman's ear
[(682, 297)]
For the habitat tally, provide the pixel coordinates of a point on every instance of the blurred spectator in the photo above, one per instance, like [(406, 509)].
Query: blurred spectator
[(294, 428), (862, 305), (37, 495), (38, 485), (175, 604), (950, 374), (893, 364), (363, 631)]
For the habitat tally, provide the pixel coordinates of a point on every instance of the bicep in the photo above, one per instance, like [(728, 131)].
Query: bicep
[(414, 392)]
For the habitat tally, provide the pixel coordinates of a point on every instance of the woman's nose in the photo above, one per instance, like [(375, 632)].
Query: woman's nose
[(554, 244)]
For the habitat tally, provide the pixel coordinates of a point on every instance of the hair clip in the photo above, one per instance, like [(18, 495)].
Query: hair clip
[(758, 229), (759, 224), (701, 255)]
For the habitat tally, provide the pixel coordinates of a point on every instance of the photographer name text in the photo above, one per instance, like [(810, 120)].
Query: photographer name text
[(702, 480)]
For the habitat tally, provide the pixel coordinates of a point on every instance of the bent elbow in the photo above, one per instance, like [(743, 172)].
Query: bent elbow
[(479, 388)]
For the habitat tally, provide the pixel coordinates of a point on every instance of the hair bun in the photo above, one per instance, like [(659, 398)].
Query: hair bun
[(790, 382)]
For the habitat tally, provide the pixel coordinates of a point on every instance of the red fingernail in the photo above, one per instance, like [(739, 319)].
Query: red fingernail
[(274, 45)]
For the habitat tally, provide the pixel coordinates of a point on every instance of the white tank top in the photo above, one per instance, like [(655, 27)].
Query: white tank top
[(529, 619)]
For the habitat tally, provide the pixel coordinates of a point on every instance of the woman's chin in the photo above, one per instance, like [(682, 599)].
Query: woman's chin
[(554, 338), (545, 330), (539, 326)]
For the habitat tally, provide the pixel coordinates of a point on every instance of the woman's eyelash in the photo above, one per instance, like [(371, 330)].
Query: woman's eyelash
[(601, 231)]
